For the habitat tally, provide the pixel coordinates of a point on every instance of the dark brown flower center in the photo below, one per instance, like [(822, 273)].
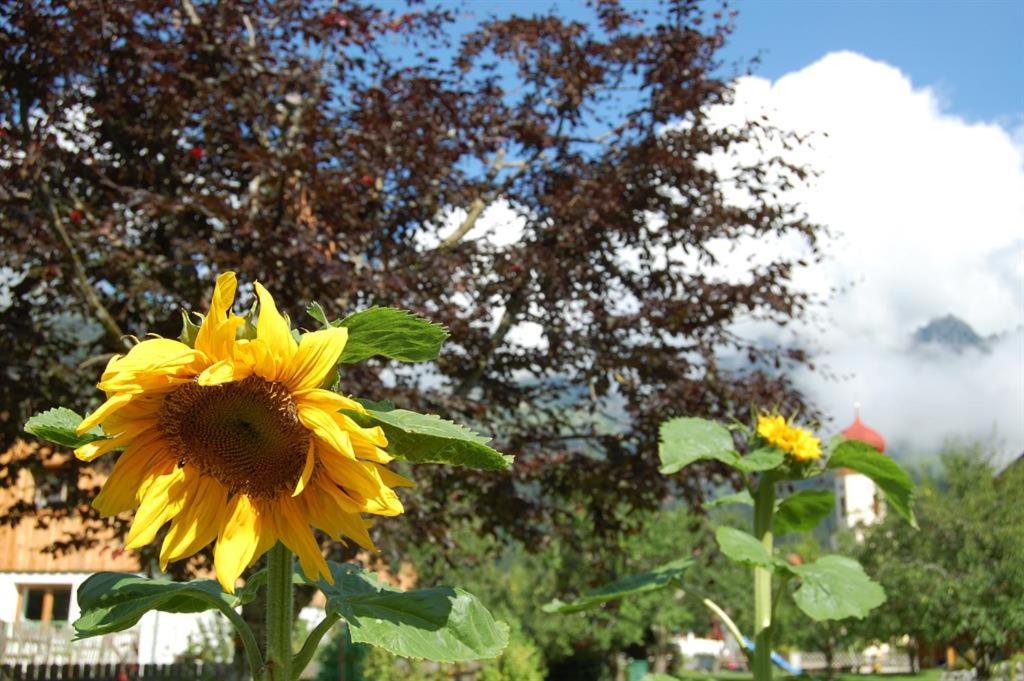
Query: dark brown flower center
[(245, 434)]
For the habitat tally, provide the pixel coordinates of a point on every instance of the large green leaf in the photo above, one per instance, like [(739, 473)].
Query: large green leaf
[(886, 473), (426, 438), (741, 547), (685, 440), (668, 575), (58, 426), (763, 459), (835, 587), (115, 601), (802, 511), (442, 624), (388, 332), (741, 497)]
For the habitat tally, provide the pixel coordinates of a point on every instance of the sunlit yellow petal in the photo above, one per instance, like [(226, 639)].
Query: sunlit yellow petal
[(198, 522), (363, 480), (328, 400), (102, 412), (273, 331), (315, 359), (97, 448), (237, 541), (224, 371), (162, 501), (326, 428), (296, 534), (143, 462), (307, 470), (391, 478), (337, 515), (216, 335)]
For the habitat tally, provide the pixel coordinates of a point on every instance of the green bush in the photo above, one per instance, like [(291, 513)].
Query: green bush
[(521, 661)]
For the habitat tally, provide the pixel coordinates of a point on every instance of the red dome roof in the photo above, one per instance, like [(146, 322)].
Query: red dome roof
[(862, 433)]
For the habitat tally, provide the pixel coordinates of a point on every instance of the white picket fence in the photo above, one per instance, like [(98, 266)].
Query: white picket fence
[(50, 643), (889, 663)]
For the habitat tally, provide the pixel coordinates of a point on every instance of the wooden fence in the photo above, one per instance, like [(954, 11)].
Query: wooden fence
[(111, 672)]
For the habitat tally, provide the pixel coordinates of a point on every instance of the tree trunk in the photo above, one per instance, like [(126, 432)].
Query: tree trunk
[(830, 671), (661, 652)]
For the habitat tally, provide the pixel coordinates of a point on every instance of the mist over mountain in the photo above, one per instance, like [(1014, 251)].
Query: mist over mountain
[(949, 332)]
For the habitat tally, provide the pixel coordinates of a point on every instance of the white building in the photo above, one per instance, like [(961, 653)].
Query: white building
[(858, 500), (38, 591)]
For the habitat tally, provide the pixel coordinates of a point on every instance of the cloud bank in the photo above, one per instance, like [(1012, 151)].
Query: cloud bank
[(927, 216)]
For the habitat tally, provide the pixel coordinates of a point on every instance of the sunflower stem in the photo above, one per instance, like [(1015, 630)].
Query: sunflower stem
[(280, 597), (764, 511)]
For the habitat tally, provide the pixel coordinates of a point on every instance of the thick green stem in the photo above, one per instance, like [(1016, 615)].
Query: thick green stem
[(764, 510), (308, 650), (279, 614)]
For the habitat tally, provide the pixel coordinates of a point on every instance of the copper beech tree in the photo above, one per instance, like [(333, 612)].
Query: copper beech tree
[(342, 153)]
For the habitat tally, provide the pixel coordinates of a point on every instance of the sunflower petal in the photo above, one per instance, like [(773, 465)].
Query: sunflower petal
[(102, 412), (97, 448), (144, 461), (391, 478), (297, 535), (198, 523), (362, 479), (224, 371), (333, 512), (237, 541), (163, 500), (315, 358), (307, 470), (325, 427), (217, 333), (272, 331)]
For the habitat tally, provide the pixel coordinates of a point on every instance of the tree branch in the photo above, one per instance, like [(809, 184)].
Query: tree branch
[(106, 320)]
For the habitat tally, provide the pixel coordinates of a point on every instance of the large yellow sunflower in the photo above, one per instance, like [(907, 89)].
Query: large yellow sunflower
[(235, 441)]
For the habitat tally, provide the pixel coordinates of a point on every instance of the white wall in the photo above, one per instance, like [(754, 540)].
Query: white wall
[(163, 636), (10, 581)]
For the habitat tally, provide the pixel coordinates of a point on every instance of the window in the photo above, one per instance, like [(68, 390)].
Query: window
[(45, 603)]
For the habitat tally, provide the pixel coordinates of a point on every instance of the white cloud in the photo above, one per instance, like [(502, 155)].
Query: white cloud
[(927, 213)]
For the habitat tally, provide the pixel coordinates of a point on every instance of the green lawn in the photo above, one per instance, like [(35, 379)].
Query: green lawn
[(929, 675)]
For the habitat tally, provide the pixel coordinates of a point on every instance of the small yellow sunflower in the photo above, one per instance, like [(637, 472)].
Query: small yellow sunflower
[(234, 441), (800, 443)]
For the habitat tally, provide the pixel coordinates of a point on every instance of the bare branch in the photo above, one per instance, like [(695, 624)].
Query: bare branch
[(103, 315)]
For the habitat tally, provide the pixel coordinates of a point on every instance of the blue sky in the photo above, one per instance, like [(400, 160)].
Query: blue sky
[(968, 51)]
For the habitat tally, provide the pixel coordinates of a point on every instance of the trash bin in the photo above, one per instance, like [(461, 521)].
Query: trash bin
[(636, 670)]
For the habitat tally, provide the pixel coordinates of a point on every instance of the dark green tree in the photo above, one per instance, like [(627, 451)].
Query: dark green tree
[(960, 579)]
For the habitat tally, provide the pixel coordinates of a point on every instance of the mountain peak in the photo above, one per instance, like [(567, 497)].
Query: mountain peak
[(949, 332)]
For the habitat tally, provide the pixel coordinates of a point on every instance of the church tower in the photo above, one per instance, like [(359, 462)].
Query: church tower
[(858, 500)]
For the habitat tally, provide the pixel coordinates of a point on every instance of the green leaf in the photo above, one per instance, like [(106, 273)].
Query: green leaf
[(685, 440), (802, 511), (426, 438), (886, 473), (58, 426), (668, 575), (189, 329), (741, 497), (763, 459), (442, 624), (115, 601), (389, 332), (835, 587), (743, 548), (316, 311)]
